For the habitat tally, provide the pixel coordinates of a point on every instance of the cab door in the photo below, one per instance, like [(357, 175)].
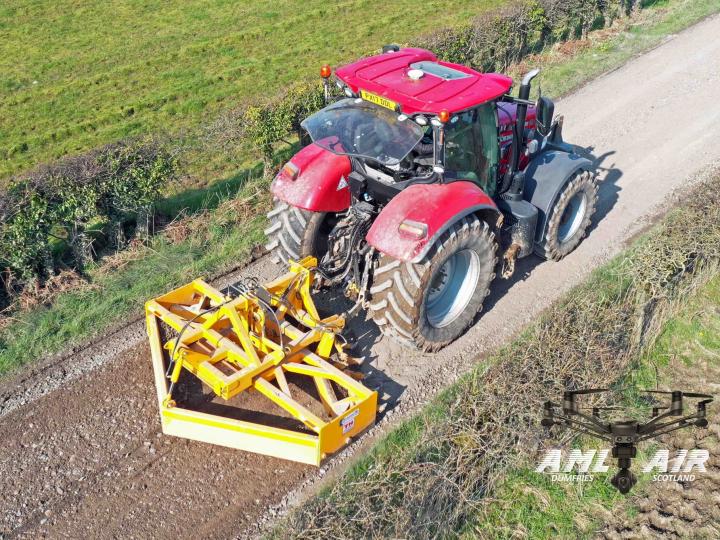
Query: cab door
[(471, 147)]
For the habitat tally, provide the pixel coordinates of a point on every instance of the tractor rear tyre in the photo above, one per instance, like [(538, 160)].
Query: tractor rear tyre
[(569, 217), (430, 303), (294, 233)]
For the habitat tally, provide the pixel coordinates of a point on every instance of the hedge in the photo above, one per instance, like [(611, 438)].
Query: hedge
[(265, 123), (66, 199)]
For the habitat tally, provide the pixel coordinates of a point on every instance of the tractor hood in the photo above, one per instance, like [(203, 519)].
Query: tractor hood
[(314, 179)]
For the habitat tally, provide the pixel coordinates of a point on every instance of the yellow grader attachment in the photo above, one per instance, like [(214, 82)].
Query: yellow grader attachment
[(256, 340)]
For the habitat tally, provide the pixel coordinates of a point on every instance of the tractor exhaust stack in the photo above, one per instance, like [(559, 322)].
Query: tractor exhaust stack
[(523, 215), (514, 181), (522, 105)]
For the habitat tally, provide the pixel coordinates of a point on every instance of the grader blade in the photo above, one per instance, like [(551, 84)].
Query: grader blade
[(269, 339)]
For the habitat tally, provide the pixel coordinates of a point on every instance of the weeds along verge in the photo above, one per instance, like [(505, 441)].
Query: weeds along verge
[(428, 477), (68, 209)]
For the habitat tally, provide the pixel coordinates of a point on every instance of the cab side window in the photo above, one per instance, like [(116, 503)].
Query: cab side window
[(471, 147)]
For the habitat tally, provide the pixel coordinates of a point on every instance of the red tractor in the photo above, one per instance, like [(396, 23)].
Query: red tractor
[(416, 178)]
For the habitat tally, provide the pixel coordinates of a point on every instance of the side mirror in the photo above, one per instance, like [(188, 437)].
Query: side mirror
[(545, 111)]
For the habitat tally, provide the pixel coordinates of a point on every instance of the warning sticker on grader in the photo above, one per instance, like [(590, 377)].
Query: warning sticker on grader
[(348, 422)]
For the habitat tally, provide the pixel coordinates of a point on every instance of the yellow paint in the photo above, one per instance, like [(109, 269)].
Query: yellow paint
[(226, 343)]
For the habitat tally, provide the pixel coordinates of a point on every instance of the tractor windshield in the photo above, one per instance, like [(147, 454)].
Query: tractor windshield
[(359, 128)]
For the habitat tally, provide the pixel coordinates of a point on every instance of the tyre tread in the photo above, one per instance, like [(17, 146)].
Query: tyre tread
[(287, 231), (549, 248)]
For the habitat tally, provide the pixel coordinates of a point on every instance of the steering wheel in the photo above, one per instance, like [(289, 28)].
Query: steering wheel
[(457, 151)]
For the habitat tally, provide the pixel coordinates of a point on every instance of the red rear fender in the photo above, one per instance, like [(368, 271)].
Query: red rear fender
[(433, 206), (321, 182)]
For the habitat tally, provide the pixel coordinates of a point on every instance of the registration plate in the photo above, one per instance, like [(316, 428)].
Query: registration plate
[(378, 100)]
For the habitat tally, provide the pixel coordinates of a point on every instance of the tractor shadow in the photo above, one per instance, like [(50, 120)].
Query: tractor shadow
[(362, 333), (608, 190), (608, 194)]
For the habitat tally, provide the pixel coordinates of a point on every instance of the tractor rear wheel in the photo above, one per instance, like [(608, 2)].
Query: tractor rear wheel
[(430, 303), (570, 217), (294, 233)]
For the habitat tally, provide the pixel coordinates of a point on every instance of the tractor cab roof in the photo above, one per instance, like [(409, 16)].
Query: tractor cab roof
[(416, 82)]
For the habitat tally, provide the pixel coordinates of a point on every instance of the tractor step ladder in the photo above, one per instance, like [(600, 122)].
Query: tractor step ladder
[(252, 341)]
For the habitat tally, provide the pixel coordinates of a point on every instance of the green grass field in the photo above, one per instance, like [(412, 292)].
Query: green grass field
[(78, 74)]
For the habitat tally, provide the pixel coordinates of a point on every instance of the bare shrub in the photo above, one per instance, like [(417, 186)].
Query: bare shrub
[(229, 213)]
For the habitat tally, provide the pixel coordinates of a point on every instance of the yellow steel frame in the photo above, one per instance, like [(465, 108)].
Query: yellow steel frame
[(242, 343)]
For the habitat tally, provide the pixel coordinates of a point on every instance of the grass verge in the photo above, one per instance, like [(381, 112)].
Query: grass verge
[(77, 316), (433, 476)]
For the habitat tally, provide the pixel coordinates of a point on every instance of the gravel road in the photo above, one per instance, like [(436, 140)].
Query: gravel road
[(81, 454)]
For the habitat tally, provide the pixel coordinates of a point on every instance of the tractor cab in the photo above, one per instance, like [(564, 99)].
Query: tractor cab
[(471, 149), (409, 116)]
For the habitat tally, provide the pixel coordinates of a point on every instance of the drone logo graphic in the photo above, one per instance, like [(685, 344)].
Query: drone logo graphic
[(625, 434)]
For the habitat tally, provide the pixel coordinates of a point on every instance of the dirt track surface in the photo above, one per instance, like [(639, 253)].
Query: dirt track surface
[(81, 454)]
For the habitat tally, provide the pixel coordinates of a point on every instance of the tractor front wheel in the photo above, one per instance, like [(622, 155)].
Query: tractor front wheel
[(294, 233), (570, 217), (430, 303)]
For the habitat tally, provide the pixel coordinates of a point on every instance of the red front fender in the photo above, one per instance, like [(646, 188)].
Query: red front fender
[(321, 184), (438, 206)]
